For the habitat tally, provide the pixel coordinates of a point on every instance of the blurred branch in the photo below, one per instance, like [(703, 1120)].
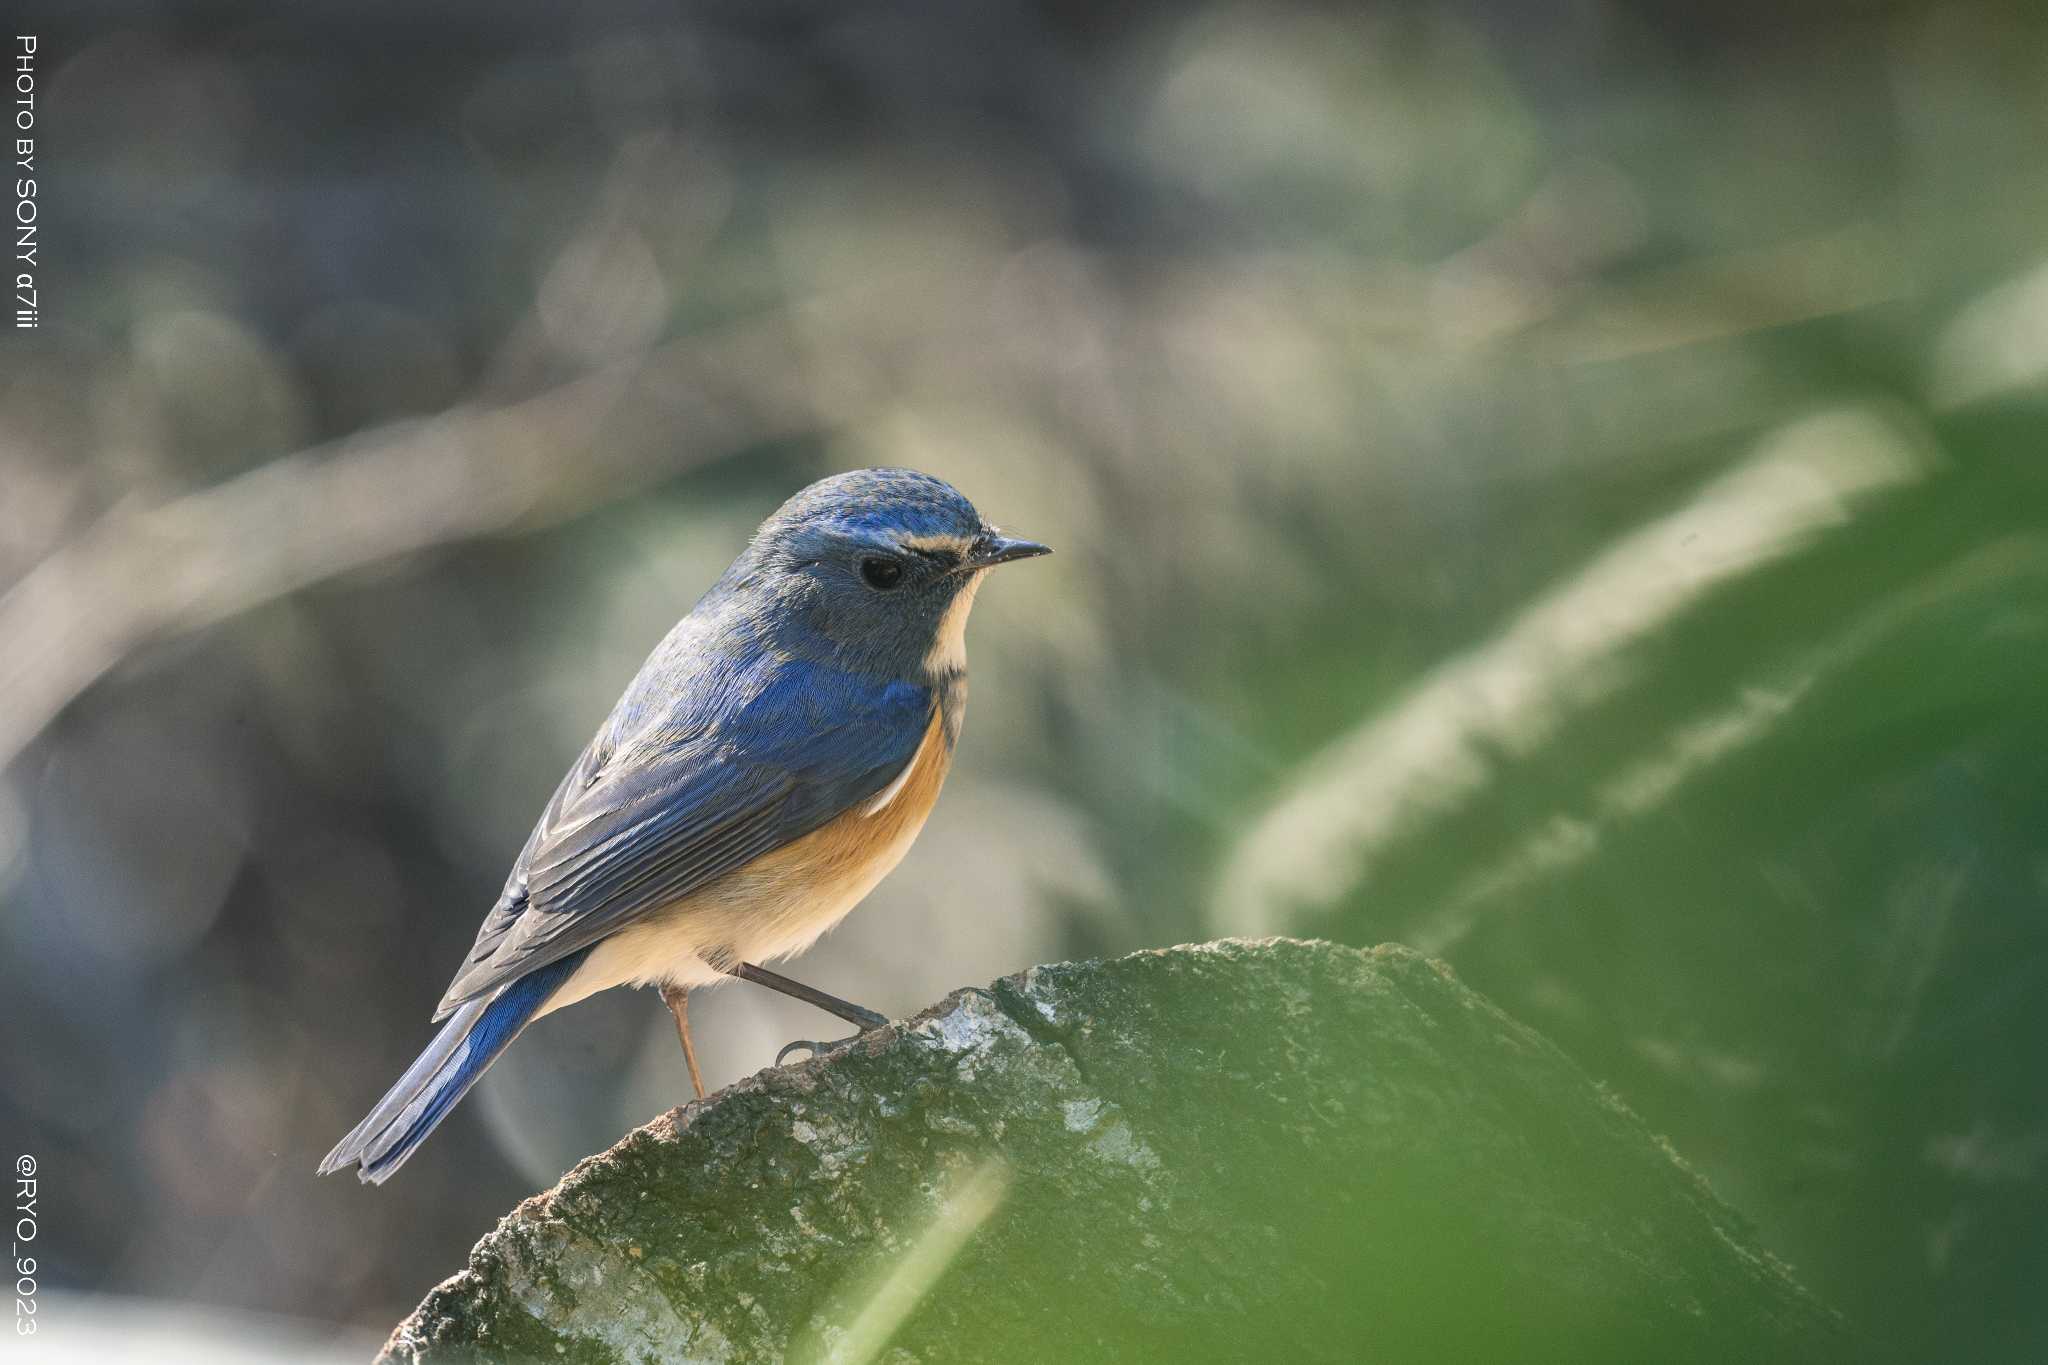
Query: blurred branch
[(146, 574), (1436, 747), (1693, 749)]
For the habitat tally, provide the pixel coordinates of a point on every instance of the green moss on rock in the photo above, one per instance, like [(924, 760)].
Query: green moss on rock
[(1269, 1150)]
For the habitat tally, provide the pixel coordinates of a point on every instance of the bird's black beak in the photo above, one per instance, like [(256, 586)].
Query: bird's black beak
[(996, 548)]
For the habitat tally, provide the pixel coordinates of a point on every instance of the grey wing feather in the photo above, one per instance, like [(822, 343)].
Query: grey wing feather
[(631, 831)]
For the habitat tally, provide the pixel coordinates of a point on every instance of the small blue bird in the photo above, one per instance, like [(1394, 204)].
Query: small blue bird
[(772, 761)]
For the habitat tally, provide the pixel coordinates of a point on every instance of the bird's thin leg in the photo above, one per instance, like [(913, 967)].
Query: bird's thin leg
[(677, 998), (862, 1019)]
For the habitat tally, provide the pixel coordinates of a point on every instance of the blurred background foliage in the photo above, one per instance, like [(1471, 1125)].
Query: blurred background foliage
[(1560, 485)]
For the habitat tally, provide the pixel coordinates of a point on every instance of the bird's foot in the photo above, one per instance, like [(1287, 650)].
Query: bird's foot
[(806, 1045), (868, 1021), (819, 1049)]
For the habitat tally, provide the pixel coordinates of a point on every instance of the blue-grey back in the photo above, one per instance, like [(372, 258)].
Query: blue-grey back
[(762, 715)]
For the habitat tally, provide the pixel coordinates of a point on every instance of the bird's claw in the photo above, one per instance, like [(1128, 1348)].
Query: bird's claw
[(804, 1043), (817, 1049)]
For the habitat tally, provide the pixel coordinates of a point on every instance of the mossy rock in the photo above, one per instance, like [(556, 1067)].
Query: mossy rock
[(1245, 1150)]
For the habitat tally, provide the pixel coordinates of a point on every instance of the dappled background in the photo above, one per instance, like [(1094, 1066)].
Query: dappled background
[(1558, 485)]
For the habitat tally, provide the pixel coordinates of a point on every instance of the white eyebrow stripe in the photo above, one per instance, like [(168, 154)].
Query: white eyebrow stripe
[(953, 544), (894, 789)]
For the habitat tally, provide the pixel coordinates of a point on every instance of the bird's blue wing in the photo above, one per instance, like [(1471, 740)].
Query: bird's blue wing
[(746, 760)]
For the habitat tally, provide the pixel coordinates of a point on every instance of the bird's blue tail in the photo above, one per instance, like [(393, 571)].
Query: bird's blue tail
[(467, 1044)]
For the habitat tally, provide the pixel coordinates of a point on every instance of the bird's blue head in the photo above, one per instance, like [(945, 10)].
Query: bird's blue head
[(875, 569)]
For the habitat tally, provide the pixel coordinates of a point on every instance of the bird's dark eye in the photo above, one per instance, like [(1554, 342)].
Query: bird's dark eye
[(881, 574)]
